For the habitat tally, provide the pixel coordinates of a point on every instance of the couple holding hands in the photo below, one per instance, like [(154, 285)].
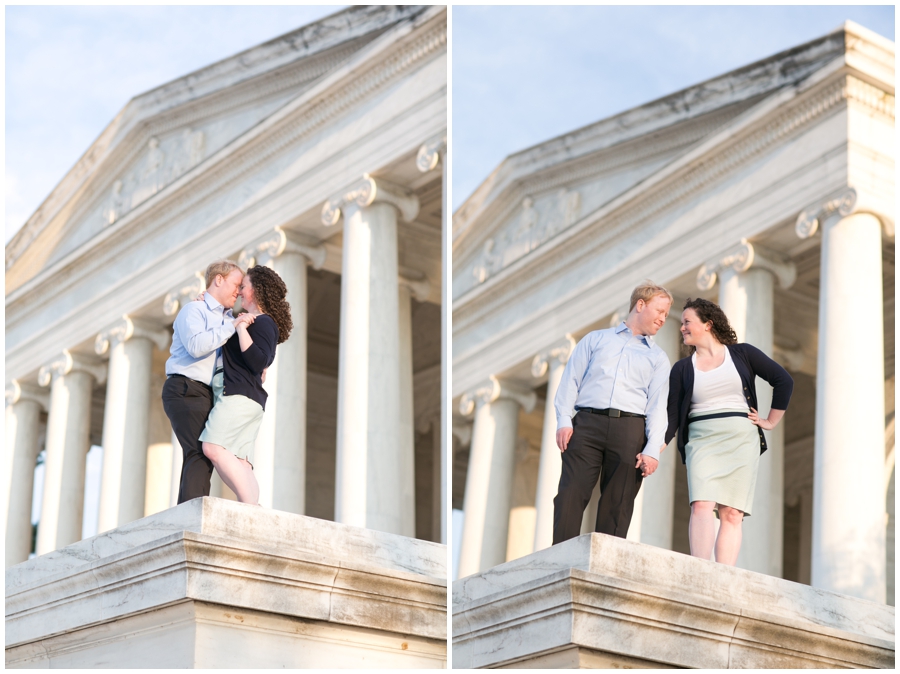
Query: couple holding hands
[(213, 393), (628, 405)]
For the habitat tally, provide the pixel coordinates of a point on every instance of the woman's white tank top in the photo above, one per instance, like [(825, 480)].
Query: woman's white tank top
[(718, 389)]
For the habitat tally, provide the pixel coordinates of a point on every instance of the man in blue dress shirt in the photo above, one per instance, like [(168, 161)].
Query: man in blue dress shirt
[(611, 411), (201, 328)]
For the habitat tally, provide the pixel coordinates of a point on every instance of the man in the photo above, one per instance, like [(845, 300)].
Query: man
[(616, 380), (201, 328)]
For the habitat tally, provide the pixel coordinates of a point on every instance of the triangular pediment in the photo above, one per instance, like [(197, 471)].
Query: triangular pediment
[(174, 129), (539, 193)]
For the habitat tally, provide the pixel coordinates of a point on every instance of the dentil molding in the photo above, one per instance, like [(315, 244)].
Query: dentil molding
[(559, 351), (124, 329), (742, 257), (492, 390), (68, 362), (367, 191)]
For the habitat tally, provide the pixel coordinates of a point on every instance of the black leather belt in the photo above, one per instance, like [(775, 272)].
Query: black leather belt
[(610, 412), (717, 415), (181, 376)]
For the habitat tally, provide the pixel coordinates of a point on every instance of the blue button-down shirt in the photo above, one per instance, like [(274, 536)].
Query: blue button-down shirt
[(618, 369), (200, 329)]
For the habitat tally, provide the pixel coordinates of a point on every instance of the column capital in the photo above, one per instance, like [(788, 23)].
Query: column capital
[(367, 191), (462, 432), (67, 362), (559, 350), (492, 390), (419, 287), (619, 315), (183, 293), (124, 329), (809, 221), (17, 391), (742, 257), (277, 242), (430, 152)]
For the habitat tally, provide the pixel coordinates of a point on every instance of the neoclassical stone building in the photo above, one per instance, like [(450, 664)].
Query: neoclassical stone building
[(319, 153), (769, 189)]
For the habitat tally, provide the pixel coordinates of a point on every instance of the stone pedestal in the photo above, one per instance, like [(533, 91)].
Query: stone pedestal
[(214, 583), (600, 601), (848, 536)]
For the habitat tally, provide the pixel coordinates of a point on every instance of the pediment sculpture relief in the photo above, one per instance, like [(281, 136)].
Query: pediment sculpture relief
[(529, 230), (162, 163)]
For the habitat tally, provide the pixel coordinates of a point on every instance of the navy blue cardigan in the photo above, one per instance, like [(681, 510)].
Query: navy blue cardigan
[(243, 369), (750, 363)]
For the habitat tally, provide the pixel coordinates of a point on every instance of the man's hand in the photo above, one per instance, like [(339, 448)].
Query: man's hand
[(263, 378), (647, 464), (563, 435)]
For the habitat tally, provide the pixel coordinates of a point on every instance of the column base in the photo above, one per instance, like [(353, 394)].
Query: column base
[(214, 583), (602, 601)]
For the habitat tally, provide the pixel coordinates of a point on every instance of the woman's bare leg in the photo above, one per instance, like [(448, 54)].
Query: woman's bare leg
[(728, 543), (702, 529), (235, 472)]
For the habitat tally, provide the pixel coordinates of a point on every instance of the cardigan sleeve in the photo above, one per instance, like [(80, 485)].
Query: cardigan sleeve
[(778, 378), (261, 353), (676, 393)]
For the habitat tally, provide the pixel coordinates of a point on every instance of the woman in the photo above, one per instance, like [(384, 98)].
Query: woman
[(240, 400), (712, 406)]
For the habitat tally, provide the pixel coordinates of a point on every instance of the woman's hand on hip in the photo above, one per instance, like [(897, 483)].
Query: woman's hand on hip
[(765, 424)]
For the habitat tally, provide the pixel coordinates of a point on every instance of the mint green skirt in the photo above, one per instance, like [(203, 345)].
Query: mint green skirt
[(722, 458), (233, 422)]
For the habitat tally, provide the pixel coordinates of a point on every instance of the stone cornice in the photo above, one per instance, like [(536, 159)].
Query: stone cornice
[(370, 70), (68, 362), (560, 352), (157, 111), (742, 257), (126, 328), (752, 134), (264, 250), (364, 193), (493, 389)]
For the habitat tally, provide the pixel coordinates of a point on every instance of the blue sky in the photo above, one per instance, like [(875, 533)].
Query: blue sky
[(70, 70), (523, 75)]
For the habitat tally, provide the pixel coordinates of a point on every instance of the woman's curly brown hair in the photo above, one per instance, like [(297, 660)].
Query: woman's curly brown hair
[(269, 291), (710, 311)]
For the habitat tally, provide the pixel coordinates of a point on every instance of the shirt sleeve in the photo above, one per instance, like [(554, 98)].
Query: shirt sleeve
[(657, 395), (261, 353), (198, 340), (570, 384)]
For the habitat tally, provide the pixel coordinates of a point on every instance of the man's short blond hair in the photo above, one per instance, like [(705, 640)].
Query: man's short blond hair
[(223, 267), (646, 291)]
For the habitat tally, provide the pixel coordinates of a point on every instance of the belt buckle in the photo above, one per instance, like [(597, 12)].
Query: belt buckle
[(614, 413)]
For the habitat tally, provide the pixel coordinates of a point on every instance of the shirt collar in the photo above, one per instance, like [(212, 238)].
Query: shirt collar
[(647, 339), (212, 302)]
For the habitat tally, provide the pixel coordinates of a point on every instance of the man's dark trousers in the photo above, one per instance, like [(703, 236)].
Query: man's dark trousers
[(187, 404), (604, 447)]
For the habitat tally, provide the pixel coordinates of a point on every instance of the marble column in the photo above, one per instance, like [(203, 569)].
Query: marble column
[(657, 494), (848, 536), (368, 492), (407, 289), (71, 379), (126, 419), (280, 453), (24, 405), (551, 361), (434, 151), (490, 474), (747, 275)]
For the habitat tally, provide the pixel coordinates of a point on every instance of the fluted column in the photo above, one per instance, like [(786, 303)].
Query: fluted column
[(126, 419), (407, 289), (848, 536), (23, 412), (552, 362), (71, 379), (280, 453), (369, 446), (747, 274), (490, 474), (434, 151)]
